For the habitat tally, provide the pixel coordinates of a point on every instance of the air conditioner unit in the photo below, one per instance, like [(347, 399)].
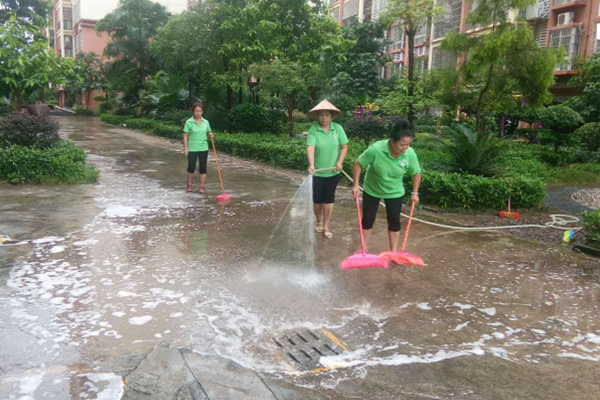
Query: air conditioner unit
[(566, 18)]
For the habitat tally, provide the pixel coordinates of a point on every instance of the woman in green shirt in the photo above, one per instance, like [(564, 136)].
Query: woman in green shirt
[(327, 146), (386, 162), (195, 145)]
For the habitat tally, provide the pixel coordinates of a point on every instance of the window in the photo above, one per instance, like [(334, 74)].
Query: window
[(397, 38), (51, 38), (68, 18), (78, 43), (568, 39), (68, 46), (596, 42)]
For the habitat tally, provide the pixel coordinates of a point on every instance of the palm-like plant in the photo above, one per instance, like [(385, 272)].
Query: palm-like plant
[(473, 152)]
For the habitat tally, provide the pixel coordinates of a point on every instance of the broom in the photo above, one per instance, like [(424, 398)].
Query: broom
[(223, 197), (402, 257), (362, 259), (508, 214)]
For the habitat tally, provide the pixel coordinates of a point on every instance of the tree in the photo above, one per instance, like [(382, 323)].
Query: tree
[(88, 76), (562, 122), (357, 74), (396, 100), (283, 77), (30, 10), (412, 15), (131, 28), (27, 64), (588, 81), (185, 46), (502, 62)]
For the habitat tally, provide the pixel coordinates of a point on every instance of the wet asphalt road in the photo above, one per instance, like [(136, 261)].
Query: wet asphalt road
[(134, 288)]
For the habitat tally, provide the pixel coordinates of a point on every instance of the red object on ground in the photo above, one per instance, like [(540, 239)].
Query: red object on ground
[(508, 214)]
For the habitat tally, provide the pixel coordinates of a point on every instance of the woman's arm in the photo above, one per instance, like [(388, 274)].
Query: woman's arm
[(310, 155), (416, 180), (185, 147), (357, 170), (342, 157)]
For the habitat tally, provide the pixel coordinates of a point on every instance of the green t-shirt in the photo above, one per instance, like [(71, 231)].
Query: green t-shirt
[(327, 147), (197, 138), (384, 174)]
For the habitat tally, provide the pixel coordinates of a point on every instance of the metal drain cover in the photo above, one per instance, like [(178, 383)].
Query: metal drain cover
[(302, 349)]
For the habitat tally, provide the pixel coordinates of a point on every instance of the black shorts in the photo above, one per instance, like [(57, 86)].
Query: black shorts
[(393, 207), (200, 155), (324, 189)]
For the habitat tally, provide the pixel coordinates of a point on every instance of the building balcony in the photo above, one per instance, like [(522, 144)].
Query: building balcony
[(563, 4), (541, 10)]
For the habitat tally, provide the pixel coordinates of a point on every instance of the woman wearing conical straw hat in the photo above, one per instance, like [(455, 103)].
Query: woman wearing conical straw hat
[(327, 146)]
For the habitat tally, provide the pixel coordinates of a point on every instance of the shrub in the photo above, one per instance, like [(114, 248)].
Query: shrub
[(142, 123), (589, 136), (447, 131), (423, 120), (426, 129), (591, 223), (299, 117), (81, 110), (365, 129), (562, 121), (218, 118), (24, 129), (451, 190), (473, 152), (114, 119), (248, 117), (167, 130), (567, 155), (62, 163), (346, 103), (177, 117), (105, 107), (533, 135)]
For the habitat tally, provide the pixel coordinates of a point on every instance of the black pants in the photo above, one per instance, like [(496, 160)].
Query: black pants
[(324, 189), (393, 207), (200, 155)]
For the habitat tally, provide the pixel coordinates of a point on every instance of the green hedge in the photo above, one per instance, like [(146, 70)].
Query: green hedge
[(62, 163), (447, 190), (450, 190), (591, 223)]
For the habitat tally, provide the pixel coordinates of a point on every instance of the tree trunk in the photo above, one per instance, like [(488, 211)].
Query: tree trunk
[(258, 91), (229, 97), (410, 33), (290, 104), (478, 120)]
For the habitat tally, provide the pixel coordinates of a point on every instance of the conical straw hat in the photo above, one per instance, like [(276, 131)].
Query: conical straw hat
[(325, 105)]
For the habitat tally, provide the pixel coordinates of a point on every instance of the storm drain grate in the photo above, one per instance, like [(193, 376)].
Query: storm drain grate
[(303, 349)]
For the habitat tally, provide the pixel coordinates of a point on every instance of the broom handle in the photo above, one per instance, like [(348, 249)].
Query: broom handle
[(360, 227), (509, 193), (217, 160), (412, 211)]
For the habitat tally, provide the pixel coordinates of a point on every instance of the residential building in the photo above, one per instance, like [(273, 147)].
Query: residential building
[(71, 28), (345, 11)]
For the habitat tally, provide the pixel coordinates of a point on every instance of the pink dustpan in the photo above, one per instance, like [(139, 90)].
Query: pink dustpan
[(402, 257), (224, 198), (362, 259)]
